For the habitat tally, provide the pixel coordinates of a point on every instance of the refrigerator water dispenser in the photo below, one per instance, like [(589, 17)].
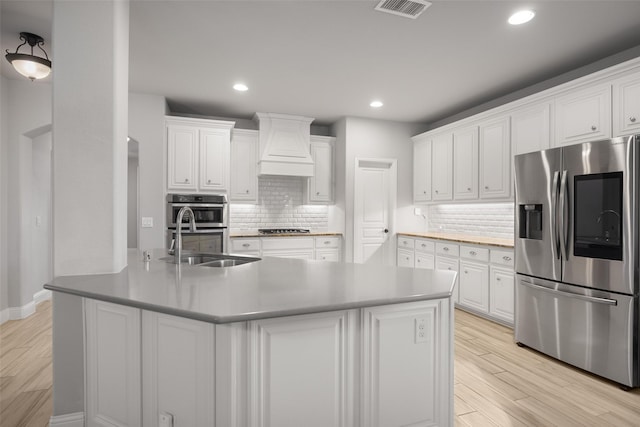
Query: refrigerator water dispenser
[(530, 221)]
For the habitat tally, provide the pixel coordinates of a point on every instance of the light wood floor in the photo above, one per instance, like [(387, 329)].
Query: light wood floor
[(496, 382)]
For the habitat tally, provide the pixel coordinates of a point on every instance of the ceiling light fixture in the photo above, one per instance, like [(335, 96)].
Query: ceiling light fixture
[(241, 87), (376, 104), (521, 17), (29, 65)]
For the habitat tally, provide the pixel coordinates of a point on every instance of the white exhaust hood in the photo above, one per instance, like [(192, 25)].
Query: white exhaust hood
[(284, 145)]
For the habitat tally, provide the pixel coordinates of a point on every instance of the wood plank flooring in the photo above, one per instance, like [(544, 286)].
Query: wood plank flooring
[(25, 370), (496, 382)]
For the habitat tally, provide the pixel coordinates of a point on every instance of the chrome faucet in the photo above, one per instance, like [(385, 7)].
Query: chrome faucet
[(192, 226)]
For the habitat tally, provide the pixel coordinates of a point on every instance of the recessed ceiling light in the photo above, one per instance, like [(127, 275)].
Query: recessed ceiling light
[(521, 16), (376, 104), (240, 87)]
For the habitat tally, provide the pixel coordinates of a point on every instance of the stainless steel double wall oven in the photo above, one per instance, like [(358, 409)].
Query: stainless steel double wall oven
[(210, 212), (576, 249)]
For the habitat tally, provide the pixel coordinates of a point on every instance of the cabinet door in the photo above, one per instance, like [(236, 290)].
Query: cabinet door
[(244, 166), (182, 146), (474, 286), (495, 159), (451, 264), (442, 167), (583, 116), (626, 105), (214, 159), (178, 377), (465, 164), (501, 304), (112, 364), (422, 170), (330, 255), (297, 254), (320, 185), (288, 354), (405, 258), (530, 130), (407, 365), (425, 261)]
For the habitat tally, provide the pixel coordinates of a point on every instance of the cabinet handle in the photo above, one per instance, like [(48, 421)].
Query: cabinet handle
[(245, 245), (486, 187), (326, 242), (506, 258), (407, 258), (472, 253), (424, 191), (436, 191), (186, 180), (208, 181), (498, 279), (593, 127), (448, 268), (317, 193), (632, 119), (446, 249), (247, 191), (424, 245), (468, 188), (466, 272)]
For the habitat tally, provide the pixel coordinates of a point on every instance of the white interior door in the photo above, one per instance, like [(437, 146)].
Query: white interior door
[(374, 207)]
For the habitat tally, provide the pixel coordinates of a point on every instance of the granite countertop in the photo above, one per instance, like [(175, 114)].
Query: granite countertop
[(271, 287), (236, 234), (463, 238)]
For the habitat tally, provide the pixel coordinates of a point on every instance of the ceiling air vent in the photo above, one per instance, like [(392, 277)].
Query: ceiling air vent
[(407, 8)]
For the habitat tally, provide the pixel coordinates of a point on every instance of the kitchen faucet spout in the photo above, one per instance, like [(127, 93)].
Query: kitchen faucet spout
[(192, 226)]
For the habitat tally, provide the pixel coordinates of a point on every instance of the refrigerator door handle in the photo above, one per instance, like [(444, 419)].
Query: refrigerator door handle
[(554, 213), (564, 214), (597, 300)]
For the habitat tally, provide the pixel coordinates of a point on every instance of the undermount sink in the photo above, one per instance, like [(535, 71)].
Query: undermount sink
[(212, 260)]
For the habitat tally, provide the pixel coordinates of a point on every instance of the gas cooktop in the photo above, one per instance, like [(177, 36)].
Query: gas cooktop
[(283, 230)]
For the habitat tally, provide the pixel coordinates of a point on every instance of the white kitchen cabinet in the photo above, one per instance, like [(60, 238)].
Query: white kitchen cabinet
[(421, 169), (442, 167), (530, 128), (112, 364), (178, 371), (287, 354), (474, 285), (323, 248), (406, 351), (244, 166), (495, 159), (328, 248), (288, 247), (444, 262), (427, 261), (245, 246), (197, 154), (465, 163), (583, 115), (501, 292), (405, 258), (320, 186), (626, 105)]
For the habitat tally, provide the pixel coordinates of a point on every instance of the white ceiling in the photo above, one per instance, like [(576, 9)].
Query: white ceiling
[(328, 59)]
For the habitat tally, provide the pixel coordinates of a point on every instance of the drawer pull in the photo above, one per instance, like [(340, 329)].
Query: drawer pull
[(632, 119), (498, 279), (446, 249), (327, 242), (473, 253), (506, 258), (466, 272), (424, 245), (593, 127), (245, 245)]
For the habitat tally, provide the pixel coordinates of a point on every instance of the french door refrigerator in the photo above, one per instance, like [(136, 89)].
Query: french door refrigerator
[(576, 255)]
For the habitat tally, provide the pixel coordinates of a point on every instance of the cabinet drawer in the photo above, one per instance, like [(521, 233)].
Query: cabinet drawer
[(286, 243), (425, 261), (405, 243), (327, 242), (424, 246), (405, 258), (243, 245), (447, 249), (474, 253), (502, 257)]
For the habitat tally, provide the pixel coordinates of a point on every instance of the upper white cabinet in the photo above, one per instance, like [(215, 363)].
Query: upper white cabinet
[(583, 115), (495, 159), (626, 105), (421, 169), (530, 128), (465, 163), (320, 185), (198, 154), (244, 166), (442, 167)]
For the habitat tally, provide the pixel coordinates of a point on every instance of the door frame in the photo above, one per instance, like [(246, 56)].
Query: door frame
[(379, 163)]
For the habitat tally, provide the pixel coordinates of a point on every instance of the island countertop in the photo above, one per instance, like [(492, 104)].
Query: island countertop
[(271, 287)]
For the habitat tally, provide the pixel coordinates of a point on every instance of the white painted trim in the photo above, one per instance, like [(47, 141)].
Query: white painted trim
[(75, 419), (19, 313), (4, 315), (42, 295)]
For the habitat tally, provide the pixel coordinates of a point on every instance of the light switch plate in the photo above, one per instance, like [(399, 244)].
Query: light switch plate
[(147, 221)]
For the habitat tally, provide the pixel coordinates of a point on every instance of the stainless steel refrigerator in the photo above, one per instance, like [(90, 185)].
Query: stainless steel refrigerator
[(576, 255)]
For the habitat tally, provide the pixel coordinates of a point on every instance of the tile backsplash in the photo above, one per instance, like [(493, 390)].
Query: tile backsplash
[(483, 219), (280, 205)]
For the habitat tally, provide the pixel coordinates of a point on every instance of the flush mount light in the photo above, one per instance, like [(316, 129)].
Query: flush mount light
[(241, 87), (29, 65), (376, 104), (521, 17)]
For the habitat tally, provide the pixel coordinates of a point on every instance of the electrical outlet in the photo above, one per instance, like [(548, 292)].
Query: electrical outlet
[(421, 330), (417, 211), (147, 221), (165, 419)]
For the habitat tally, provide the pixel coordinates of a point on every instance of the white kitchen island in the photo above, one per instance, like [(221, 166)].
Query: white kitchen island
[(277, 342)]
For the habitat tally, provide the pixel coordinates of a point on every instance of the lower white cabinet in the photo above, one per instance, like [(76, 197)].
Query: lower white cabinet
[(112, 365), (451, 264), (501, 291), (405, 258), (322, 248), (474, 286)]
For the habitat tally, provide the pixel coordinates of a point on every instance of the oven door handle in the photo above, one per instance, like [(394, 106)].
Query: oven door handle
[(597, 300), (197, 205)]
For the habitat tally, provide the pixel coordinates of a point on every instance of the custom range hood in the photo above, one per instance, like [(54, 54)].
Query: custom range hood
[(284, 145)]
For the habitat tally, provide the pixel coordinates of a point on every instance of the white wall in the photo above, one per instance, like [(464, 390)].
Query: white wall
[(132, 199), (4, 188), (146, 125)]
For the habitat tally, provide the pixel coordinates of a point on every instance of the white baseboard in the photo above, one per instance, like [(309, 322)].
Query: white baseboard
[(68, 420), (17, 313)]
